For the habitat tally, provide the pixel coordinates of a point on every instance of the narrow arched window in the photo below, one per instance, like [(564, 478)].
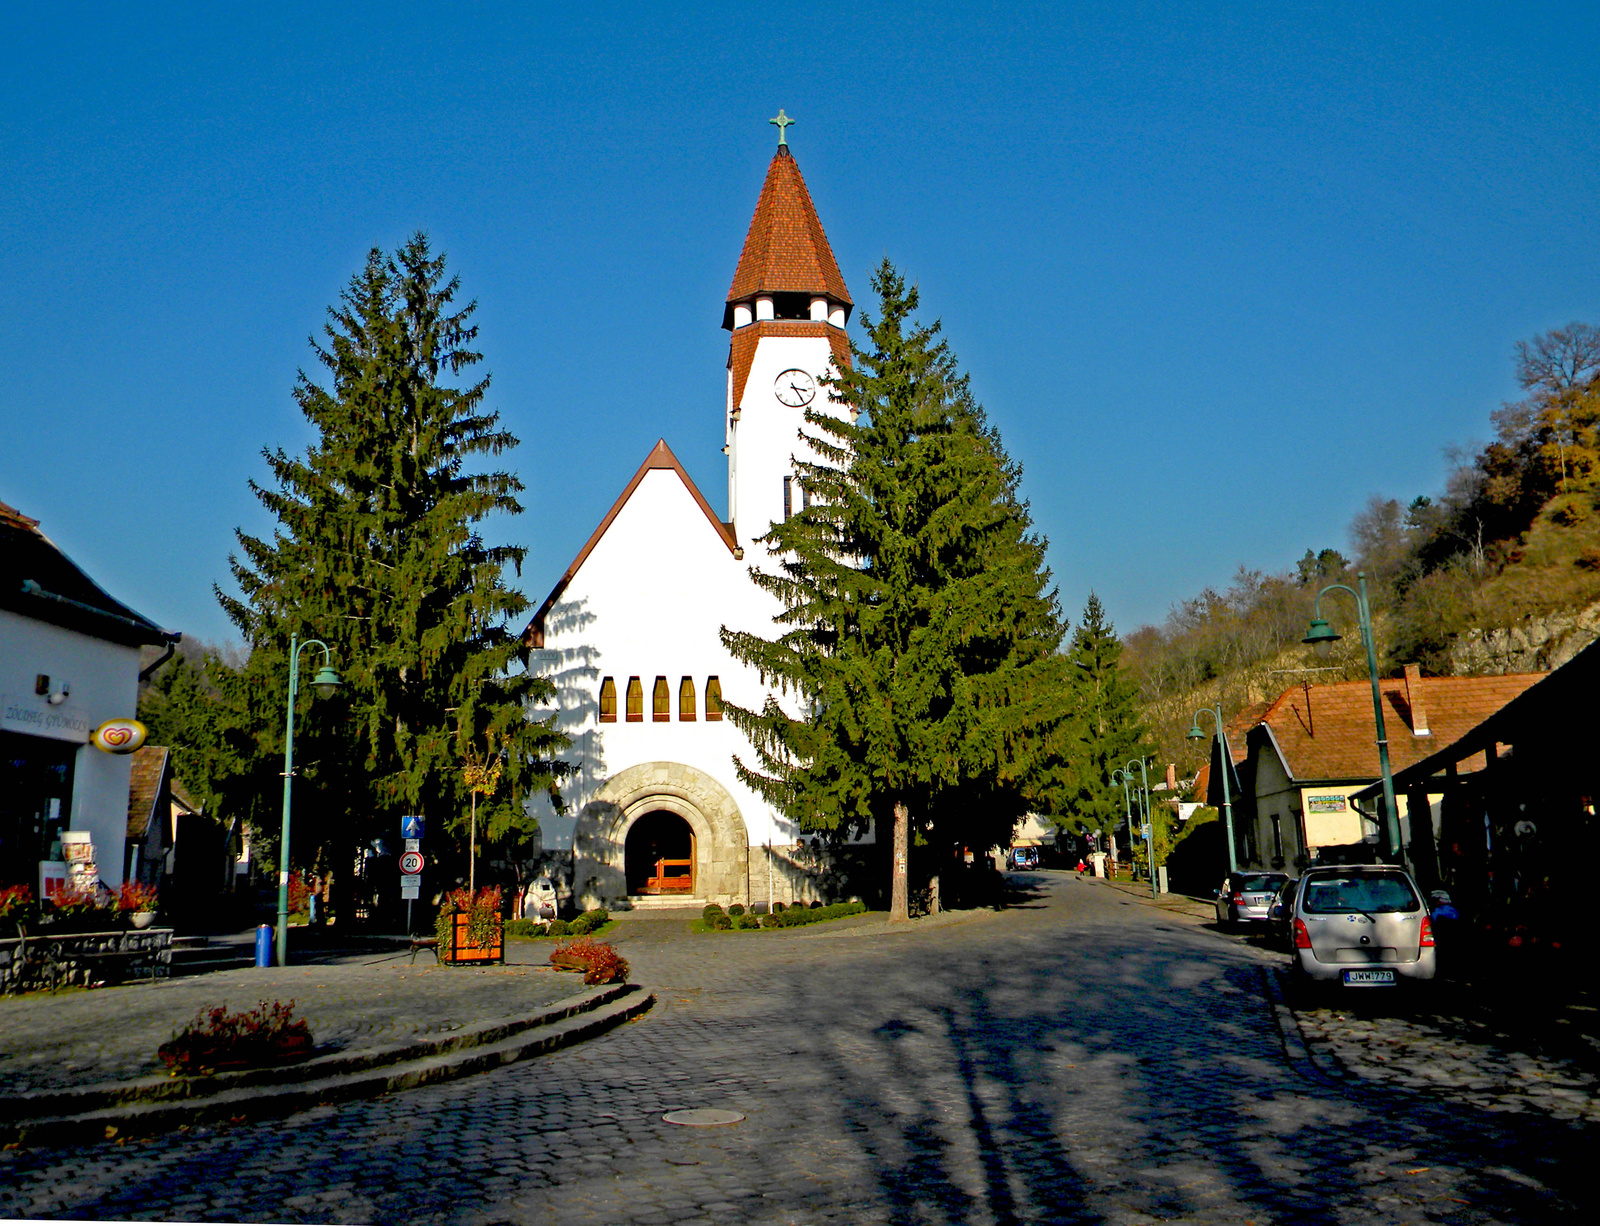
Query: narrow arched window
[(661, 701), (608, 701), (635, 700), (713, 698), (788, 497), (686, 698)]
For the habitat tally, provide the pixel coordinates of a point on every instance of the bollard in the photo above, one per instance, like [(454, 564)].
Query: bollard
[(264, 945)]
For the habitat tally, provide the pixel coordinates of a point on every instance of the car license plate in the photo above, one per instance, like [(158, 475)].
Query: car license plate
[(1369, 979)]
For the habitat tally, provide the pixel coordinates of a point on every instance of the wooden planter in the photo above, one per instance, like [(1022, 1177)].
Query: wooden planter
[(462, 952)]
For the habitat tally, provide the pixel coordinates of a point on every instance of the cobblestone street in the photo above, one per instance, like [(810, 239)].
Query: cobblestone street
[(1082, 1057)]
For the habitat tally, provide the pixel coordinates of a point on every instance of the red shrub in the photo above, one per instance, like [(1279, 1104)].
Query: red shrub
[(266, 1035), (599, 962)]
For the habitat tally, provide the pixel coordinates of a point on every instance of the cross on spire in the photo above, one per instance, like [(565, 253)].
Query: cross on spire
[(783, 122)]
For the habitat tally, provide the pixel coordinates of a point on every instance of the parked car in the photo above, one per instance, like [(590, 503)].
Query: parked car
[(1361, 926), (1280, 916), (1024, 857), (1247, 898)]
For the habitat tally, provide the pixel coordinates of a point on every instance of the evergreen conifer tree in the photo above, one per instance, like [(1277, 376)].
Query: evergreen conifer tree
[(919, 634), (378, 552), (1106, 722)]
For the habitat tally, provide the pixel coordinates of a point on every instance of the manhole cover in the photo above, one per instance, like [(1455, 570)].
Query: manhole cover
[(702, 1117)]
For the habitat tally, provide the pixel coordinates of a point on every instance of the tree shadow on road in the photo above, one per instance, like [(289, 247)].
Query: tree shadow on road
[(1042, 1080)]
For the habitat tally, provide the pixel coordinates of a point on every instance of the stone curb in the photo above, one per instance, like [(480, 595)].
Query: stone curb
[(330, 1080), (1294, 1043), (40, 1103)]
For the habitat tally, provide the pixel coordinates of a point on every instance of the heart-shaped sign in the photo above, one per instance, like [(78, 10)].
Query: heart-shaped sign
[(120, 735)]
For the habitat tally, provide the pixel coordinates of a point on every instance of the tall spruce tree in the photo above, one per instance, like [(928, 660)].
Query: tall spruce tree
[(920, 636), (1106, 720), (378, 553)]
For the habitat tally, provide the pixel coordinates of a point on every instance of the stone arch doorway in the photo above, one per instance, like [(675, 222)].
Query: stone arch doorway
[(721, 850), (658, 855)]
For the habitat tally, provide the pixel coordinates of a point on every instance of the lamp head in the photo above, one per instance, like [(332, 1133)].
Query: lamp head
[(1321, 636), (326, 681), (1195, 733)]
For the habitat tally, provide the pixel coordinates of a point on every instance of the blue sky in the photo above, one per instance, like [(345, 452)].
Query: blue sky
[(1219, 271)]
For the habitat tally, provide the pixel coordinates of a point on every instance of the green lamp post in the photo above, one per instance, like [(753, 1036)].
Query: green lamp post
[(325, 682), (1121, 776), (1322, 637), (1126, 774), (1225, 761), (1149, 826)]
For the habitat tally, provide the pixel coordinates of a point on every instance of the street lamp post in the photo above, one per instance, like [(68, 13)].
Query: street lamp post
[(1149, 826), (1322, 637), (1225, 761), (1127, 807), (325, 682)]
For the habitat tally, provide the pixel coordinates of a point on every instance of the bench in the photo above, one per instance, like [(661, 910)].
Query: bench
[(418, 944)]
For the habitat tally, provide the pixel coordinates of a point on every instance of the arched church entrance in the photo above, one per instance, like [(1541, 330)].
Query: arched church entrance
[(646, 811), (658, 855)]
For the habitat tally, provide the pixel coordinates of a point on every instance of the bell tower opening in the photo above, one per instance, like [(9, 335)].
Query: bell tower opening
[(659, 855)]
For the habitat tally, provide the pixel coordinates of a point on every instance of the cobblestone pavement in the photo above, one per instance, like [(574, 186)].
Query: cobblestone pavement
[(55, 1042), (1080, 1058), (1412, 1044)]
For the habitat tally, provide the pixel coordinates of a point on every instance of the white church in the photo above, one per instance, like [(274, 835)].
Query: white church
[(630, 633)]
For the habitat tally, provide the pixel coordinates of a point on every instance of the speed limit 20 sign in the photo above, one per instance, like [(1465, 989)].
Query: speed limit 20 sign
[(411, 863)]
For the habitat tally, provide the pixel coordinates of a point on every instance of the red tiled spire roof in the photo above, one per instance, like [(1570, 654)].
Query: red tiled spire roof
[(785, 250)]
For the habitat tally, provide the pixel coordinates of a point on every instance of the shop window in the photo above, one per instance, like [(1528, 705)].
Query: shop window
[(36, 776), (608, 701), (635, 700), (661, 701), (686, 698), (713, 698)]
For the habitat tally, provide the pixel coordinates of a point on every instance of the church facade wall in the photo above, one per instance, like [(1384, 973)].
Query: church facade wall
[(648, 602)]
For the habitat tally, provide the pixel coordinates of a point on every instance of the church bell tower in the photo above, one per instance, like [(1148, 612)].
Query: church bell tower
[(787, 310)]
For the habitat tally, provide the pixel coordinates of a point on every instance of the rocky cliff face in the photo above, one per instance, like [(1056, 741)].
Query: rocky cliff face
[(1536, 644)]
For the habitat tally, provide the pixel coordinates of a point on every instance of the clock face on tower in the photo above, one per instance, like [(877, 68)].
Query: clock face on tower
[(795, 388)]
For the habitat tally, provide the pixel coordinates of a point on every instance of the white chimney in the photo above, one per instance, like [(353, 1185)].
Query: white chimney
[(1419, 709)]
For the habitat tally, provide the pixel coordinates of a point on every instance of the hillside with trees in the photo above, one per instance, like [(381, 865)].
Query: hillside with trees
[(1498, 572)]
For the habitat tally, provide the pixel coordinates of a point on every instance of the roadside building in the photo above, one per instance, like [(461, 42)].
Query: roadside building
[(1315, 747), (1515, 834), (69, 667)]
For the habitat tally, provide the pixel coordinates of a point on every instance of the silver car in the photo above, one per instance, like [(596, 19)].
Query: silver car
[(1247, 898), (1362, 926)]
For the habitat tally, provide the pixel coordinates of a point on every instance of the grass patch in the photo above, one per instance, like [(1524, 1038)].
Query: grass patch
[(818, 915), (598, 932)]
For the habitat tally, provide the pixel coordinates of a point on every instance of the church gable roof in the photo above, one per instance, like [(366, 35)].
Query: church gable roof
[(660, 457), (785, 250)]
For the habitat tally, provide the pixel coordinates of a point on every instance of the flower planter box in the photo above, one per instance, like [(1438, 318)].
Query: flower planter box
[(461, 950)]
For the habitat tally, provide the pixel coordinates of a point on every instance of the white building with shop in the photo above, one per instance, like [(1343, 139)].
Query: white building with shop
[(630, 634), (69, 665)]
